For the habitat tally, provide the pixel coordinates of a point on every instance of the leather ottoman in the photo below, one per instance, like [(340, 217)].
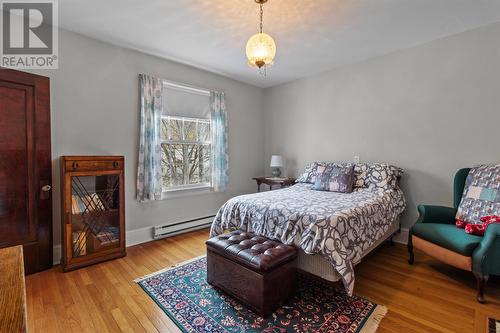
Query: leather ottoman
[(257, 271)]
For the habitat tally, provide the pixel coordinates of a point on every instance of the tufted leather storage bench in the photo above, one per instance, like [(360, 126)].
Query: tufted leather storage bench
[(256, 270)]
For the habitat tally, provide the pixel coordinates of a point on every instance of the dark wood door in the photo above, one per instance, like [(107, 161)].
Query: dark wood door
[(25, 167)]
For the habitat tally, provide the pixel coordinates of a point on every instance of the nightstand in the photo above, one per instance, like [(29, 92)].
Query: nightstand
[(271, 181)]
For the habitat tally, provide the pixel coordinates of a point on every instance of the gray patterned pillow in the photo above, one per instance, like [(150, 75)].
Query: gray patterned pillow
[(334, 178), (481, 195), (309, 171), (309, 174), (376, 175)]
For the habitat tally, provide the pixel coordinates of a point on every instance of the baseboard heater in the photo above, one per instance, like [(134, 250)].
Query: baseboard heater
[(168, 230)]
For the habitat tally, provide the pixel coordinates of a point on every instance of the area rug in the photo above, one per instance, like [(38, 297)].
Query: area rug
[(195, 306), (493, 325)]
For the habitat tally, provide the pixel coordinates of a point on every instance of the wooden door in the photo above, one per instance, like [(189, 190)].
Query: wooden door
[(25, 167)]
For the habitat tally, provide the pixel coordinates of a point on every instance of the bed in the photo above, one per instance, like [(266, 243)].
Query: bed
[(333, 230)]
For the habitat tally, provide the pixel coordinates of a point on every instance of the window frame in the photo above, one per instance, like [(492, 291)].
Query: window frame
[(199, 187)]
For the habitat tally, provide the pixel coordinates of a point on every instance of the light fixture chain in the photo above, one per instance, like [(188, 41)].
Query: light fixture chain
[(261, 15)]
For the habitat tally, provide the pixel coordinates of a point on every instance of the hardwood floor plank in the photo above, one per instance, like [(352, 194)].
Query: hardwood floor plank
[(99, 302), (157, 317), (397, 322), (409, 306), (116, 301), (430, 293), (122, 322), (425, 297), (79, 286)]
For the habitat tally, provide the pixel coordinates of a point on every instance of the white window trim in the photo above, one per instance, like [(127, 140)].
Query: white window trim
[(186, 87), (169, 193), (187, 187), (187, 192), (194, 188)]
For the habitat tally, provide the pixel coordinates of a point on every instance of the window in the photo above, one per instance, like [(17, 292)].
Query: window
[(186, 151), (186, 145)]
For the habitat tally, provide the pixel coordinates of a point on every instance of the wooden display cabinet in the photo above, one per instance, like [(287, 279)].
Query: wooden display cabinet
[(93, 210)]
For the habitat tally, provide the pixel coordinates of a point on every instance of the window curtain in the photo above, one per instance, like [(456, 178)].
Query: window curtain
[(149, 177), (220, 161)]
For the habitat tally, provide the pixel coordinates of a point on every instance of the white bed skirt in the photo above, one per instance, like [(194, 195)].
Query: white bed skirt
[(319, 266)]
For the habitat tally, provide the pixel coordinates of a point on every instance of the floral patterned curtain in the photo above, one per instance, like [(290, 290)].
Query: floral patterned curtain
[(220, 158), (149, 177)]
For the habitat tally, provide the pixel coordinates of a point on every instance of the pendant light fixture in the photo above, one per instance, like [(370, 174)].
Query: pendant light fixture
[(261, 48)]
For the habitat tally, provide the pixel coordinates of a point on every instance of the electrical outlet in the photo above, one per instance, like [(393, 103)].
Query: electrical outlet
[(356, 159)]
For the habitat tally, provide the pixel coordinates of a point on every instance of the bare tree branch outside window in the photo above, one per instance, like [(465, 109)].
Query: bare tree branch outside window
[(186, 150)]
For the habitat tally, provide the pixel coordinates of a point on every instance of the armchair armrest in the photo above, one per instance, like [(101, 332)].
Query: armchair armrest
[(436, 214), (486, 257)]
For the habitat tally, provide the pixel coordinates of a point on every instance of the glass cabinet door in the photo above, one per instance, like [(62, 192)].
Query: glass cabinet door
[(95, 214)]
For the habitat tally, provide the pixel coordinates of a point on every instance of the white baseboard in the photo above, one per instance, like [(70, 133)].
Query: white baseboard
[(402, 237), (143, 235), (56, 254), (138, 236)]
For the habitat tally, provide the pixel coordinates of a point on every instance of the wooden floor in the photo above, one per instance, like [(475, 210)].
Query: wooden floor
[(425, 297)]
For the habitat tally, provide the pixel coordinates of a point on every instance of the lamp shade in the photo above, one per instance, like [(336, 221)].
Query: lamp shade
[(260, 50), (276, 161)]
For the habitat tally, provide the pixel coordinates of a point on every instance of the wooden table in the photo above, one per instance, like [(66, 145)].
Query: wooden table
[(281, 182), (13, 318)]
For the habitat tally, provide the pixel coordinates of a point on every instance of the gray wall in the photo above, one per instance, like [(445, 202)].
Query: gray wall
[(95, 110), (431, 109)]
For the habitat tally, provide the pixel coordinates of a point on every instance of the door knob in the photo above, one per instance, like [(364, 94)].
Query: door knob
[(45, 190)]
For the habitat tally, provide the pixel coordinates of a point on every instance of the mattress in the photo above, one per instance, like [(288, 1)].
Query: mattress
[(340, 227)]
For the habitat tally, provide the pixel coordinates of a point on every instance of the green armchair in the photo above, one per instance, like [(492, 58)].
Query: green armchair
[(435, 233)]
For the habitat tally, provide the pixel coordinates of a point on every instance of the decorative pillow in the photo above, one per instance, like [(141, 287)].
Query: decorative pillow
[(309, 174), (478, 229), (481, 195), (376, 175), (334, 178)]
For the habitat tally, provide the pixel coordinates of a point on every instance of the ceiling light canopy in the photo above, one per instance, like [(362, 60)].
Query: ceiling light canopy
[(261, 48)]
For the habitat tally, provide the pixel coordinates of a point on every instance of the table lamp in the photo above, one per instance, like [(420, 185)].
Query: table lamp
[(276, 164)]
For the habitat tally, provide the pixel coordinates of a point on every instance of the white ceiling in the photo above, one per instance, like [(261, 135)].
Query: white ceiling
[(312, 36)]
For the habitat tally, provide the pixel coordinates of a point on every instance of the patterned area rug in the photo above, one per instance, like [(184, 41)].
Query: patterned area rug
[(195, 306), (493, 325)]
